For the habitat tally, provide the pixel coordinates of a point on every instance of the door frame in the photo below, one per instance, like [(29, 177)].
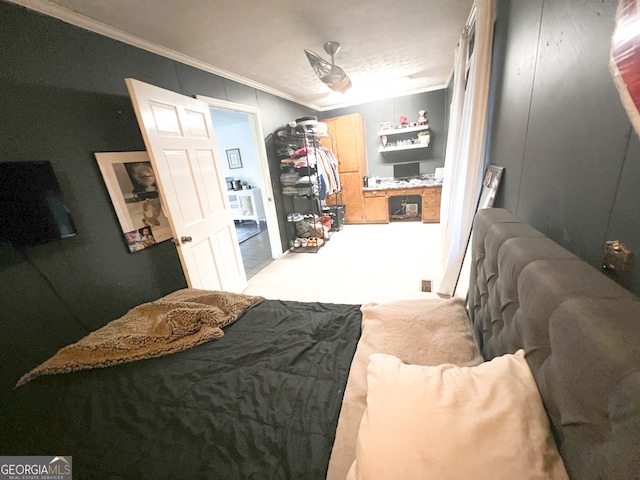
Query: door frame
[(266, 188)]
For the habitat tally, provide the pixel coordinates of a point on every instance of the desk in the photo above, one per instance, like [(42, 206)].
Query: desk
[(376, 202)]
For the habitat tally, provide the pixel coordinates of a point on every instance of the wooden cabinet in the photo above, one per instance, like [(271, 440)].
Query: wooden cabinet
[(376, 207), (376, 203), (351, 197), (347, 141), (246, 204), (431, 205)]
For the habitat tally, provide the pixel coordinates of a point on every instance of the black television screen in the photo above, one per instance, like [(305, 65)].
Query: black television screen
[(32, 208), (406, 170)]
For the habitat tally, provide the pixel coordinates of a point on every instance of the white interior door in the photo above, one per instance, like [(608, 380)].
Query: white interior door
[(178, 134)]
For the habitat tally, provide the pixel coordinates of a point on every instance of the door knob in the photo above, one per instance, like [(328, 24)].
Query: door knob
[(185, 239)]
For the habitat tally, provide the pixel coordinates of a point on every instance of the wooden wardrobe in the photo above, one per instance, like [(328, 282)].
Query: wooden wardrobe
[(347, 140)]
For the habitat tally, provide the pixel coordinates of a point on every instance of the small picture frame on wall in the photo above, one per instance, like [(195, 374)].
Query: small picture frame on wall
[(234, 158), (490, 185)]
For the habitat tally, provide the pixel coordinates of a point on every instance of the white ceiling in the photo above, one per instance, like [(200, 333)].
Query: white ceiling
[(389, 47)]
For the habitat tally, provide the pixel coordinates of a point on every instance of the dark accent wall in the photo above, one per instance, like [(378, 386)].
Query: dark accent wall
[(63, 98), (571, 158), (374, 113)]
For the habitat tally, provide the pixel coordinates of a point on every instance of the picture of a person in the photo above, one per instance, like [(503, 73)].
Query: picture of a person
[(134, 241), (146, 236), (143, 180)]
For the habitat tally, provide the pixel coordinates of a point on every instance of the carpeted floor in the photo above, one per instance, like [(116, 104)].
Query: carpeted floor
[(361, 263)]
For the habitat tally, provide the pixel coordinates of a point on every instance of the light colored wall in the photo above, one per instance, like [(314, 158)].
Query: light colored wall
[(233, 130)]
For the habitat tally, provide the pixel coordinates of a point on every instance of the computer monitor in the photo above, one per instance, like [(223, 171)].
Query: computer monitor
[(406, 170)]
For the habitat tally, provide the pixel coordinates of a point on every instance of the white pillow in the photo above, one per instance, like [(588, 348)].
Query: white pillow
[(426, 331), (448, 422)]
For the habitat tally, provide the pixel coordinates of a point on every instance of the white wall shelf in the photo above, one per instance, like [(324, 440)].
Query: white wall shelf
[(397, 131), (413, 146), (387, 147)]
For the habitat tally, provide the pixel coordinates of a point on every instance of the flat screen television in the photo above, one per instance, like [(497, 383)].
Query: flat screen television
[(32, 207), (406, 170)]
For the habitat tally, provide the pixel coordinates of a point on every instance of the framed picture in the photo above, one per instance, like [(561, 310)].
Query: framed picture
[(233, 155), (131, 183), (490, 185)]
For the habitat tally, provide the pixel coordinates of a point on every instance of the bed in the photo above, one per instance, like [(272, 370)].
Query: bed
[(409, 389)]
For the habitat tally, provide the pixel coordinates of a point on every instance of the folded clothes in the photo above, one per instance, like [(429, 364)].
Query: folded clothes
[(301, 162), (285, 152), (289, 178), (307, 180), (307, 190), (306, 156), (300, 152)]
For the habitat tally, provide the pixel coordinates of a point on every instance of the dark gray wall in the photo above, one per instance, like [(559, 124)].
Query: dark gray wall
[(63, 97), (558, 127), (374, 113)]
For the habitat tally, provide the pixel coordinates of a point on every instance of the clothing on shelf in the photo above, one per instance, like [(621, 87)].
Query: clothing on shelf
[(289, 178), (309, 172), (320, 158)]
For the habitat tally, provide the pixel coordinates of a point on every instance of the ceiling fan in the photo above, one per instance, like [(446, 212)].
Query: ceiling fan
[(330, 74)]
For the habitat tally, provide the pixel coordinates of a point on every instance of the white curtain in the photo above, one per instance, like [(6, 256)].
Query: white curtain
[(465, 142)]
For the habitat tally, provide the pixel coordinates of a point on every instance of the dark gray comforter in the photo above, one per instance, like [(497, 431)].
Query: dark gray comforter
[(262, 402)]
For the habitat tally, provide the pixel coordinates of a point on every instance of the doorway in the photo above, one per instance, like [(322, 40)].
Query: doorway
[(244, 162)]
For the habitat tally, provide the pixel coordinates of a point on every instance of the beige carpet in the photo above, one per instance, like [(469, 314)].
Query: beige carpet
[(359, 264)]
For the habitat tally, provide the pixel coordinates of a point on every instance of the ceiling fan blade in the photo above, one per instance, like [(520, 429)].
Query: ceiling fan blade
[(335, 76), (342, 86), (319, 64), (328, 73)]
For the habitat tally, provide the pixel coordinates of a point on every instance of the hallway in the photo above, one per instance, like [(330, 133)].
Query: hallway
[(255, 248)]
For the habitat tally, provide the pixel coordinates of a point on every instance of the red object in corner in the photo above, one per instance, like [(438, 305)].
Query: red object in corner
[(325, 220), (624, 61)]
